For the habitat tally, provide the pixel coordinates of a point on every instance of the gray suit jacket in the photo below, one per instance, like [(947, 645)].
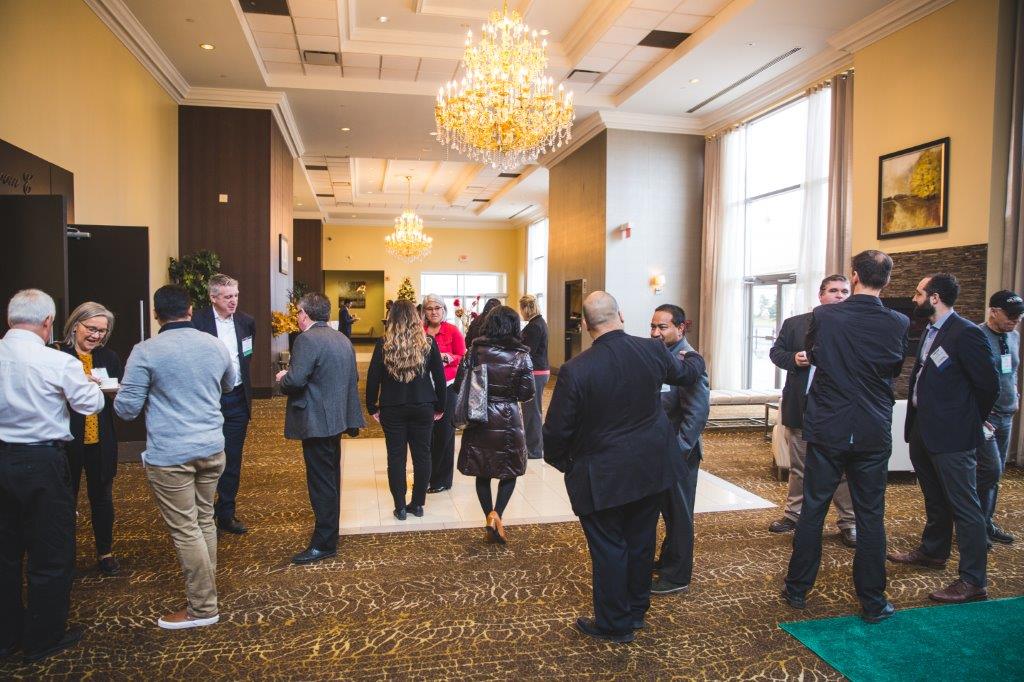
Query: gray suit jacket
[(687, 408), (323, 399)]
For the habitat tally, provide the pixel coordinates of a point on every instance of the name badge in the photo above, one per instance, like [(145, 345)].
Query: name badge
[(100, 373), (665, 388), (247, 346), (939, 356), (1005, 363)]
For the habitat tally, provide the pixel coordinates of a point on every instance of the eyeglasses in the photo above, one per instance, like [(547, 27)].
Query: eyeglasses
[(433, 309), (94, 331)]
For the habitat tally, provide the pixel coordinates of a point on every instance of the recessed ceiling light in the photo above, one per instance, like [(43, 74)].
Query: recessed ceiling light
[(300, 203), (345, 130), (694, 81), (353, 215), (382, 19), (544, 32), (369, 192), (425, 149), (433, 134), (751, 44), (206, 46)]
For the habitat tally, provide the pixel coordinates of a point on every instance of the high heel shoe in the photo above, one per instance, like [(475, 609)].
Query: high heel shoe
[(495, 529)]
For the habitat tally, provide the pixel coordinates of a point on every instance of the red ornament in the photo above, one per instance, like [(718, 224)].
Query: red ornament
[(456, 302)]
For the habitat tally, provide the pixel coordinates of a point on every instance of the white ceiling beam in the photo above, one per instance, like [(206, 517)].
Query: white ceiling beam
[(509, 186)]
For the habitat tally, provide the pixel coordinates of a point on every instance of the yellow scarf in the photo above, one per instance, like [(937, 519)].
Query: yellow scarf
[(92, 422)]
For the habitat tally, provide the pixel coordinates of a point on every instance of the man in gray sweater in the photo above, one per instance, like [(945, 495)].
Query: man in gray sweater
[(178, 376)]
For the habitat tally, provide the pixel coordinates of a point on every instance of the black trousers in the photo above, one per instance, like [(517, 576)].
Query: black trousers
[(442, 445), (676, 561), (533, 417), (99, 482), (621, 541), (407, 428), (323, 479), (866, 473), (949, 484), (37, 518), (236, 423)]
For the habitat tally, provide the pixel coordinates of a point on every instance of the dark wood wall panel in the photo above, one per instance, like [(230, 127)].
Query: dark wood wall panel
[(25, 174), (309, 247), (281, 198)]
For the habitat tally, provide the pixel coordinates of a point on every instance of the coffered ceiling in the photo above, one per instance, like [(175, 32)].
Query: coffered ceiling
[(352, 82)]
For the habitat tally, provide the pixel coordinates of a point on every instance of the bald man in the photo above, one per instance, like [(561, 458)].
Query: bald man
[(606, 430)]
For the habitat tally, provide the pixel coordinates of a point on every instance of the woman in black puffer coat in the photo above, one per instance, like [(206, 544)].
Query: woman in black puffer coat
[(497, 449)]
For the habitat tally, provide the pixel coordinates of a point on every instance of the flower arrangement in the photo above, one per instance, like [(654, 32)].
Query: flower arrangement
[(288, 322)]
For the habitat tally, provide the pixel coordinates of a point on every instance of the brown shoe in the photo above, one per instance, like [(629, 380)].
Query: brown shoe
[(959, 592), (916, 557), (495, 531)]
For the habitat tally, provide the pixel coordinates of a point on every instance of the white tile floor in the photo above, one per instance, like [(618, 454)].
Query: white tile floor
[(539, 497)]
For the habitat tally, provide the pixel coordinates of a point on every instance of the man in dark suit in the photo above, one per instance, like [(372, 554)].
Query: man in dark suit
[(238, 332), (323, 403), (953, 387), (857, 348), (788, 353), (606, 430), (687, 410)]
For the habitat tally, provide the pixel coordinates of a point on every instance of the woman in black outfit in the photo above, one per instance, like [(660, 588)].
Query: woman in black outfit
[(405, 392), (535, 337), (94, 444), (497, 449), (475, 327)]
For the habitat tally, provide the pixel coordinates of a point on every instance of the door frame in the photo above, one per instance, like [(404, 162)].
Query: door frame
[(779, 280)]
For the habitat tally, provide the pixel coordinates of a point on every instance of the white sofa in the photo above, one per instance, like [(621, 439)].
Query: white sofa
[(723, 396)]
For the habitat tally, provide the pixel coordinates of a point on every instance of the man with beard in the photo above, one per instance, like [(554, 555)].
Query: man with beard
[(953, 387)]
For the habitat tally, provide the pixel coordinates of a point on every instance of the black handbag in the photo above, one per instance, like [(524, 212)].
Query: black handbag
[(471, 399)]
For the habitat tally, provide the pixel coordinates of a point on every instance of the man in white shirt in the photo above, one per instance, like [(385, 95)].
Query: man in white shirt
[(37, 508)]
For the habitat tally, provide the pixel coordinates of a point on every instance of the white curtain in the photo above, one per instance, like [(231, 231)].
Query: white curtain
[(727, 220), (814, 223)]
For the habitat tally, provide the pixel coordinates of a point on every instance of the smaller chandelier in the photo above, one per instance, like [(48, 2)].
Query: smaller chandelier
[(408, 242)]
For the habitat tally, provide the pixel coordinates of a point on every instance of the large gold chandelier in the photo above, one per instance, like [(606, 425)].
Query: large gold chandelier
[(504, 112), (408, 242)]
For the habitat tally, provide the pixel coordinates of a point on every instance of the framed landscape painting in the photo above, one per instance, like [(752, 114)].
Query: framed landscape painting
[(913, 190)]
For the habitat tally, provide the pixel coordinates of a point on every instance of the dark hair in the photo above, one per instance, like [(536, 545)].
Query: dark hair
[(677, 313), (873, 268), (831, 278), (945, 285), (501, 323), (171, 302), (316, 306)]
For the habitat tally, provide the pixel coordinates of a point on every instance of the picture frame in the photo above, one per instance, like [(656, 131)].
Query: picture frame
[(913, 190), (284, 260)]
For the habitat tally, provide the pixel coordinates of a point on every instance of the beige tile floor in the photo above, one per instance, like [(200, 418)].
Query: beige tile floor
[(539, 497)]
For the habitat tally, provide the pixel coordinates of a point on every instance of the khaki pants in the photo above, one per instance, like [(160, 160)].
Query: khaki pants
[(795, 500), (184, 494)]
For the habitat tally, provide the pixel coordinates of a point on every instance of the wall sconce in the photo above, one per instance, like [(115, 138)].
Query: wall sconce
[(626, 229), (658, 283)]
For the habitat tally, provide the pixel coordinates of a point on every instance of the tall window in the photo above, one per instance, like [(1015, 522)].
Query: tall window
[(537, 263), (464, 286)]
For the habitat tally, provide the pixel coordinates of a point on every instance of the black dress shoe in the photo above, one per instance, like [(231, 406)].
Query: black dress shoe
[(886, 612), (848, 536), (797, 601), (438, 488), (783, 525), (997, 534), (638, 624), (663, 586), (588, 627), (313, 554), (8, 651), (415, 510), (71, 637), (108, 566), (232, 525), (400, 514)]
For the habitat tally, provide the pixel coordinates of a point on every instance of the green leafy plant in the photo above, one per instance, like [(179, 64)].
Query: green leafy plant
[(298, 290), (193, 271)]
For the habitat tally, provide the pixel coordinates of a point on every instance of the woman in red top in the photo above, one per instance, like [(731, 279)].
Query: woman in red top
[(452, 346)]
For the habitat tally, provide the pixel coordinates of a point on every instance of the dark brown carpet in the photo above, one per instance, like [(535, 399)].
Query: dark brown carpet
[(442, 604)]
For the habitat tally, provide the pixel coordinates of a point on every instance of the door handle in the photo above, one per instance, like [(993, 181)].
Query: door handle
[(142, 320)]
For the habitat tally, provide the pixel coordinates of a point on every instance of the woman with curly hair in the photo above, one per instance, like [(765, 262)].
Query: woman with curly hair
[(405, 392)]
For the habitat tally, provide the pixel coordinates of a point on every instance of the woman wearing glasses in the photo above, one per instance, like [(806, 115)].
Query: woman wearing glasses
[(94, 447), (452, 345)]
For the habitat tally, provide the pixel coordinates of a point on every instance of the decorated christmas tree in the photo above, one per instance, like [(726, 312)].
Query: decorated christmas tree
[(406, 292)]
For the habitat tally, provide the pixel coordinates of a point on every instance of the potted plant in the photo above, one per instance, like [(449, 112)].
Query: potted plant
[(193, 271)]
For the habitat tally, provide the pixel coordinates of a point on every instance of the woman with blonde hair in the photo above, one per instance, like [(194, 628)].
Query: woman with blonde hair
[(405, 392), (94, 444)]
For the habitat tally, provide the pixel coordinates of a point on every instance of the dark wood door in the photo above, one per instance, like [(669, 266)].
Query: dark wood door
[(34, 250), (111, 266)]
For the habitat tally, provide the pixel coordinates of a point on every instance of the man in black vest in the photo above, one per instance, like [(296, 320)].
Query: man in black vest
[(238, 332), (606, 430), (953, 387)]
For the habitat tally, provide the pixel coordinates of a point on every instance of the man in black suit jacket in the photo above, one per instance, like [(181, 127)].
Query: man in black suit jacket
[(953, 387), (606, 430), (788, 353), (857, 348), (238, 332)]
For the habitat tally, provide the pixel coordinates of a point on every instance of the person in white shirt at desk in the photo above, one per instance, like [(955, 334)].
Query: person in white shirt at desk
[(37, 508)]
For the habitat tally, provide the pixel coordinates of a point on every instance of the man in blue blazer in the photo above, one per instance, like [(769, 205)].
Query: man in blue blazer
[(238, 332), (953, 387)]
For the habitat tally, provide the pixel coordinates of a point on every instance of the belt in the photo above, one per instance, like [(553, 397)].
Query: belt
[(37, 444)]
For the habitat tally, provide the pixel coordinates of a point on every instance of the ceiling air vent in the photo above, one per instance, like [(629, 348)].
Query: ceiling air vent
[(484, 201), (519, 211), (583, 76), (669, 39), (278, 7), (325, 195), (509, 175), (316, 167), (758, 71), (320, 58)]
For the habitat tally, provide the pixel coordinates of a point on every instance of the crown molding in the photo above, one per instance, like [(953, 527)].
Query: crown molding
[(276, 102), (307, 215), (883, 22), (123, 24), (529, 217), (582, 132), (430, 224)]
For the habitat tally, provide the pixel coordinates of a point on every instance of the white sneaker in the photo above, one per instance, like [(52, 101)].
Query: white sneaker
[(181, 620)]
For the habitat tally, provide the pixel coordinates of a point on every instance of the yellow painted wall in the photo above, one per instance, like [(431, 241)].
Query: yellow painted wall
[(336, 285), (362, 248), (75, 96), (945, 75)]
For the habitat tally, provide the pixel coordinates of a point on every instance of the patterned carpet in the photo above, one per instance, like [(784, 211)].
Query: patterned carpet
[(443, 604)]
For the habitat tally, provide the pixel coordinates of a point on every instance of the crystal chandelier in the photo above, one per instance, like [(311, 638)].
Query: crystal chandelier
[(504, 112), (408, 242)]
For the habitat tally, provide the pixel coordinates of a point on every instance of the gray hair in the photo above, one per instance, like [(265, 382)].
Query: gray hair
[(316, 306), (435, 298), (30, 306), (83, 312), (220, 280)]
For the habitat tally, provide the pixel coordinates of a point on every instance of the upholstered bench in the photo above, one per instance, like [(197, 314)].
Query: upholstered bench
[(734, 397)]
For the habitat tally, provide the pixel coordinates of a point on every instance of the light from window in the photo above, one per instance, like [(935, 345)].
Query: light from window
[(464, 286), (537, 263)]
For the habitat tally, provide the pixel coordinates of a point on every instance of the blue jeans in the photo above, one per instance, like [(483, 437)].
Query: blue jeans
[(992, 463)]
